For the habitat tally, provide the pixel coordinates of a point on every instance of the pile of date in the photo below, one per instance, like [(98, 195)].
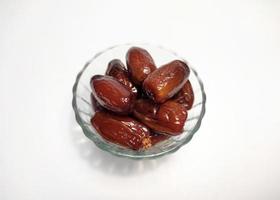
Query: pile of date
[(140, 105)]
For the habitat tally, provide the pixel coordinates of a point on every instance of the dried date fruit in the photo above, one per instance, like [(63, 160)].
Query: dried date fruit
[(140, 64), (173, 116), (122, 130), (185, 96), (111, 94), (146, 107), (168, 118), (117, 70), (166, 81)]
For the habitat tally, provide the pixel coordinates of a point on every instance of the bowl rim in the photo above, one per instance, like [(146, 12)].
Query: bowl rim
[(116, 153)]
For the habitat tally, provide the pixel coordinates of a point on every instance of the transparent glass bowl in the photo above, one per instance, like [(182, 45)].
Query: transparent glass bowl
[(83, 108)]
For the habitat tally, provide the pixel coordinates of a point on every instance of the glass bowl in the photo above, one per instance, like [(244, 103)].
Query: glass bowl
[(83, 108)]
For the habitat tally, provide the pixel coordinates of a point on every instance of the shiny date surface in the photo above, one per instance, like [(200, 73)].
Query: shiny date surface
[(140, 64), (111, 94), (166, 81), (185, 96), (168, 118), (117, 70), (122, 130)]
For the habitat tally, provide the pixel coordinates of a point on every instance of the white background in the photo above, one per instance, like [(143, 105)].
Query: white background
[(234, 45)]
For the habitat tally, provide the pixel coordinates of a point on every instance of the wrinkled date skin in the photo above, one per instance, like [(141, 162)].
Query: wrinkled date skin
[(140, 64), (166, 81), (122, 130), (117, 70), (173, 116), (111, 94), (168, 118), (185, 96)]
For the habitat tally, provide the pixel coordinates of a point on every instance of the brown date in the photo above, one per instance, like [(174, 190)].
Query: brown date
[(172, 115), (122, 130), (185, 96), (168, 118), (111, 94), (140, 64), (166, 81), (146, 107), (117, 70)]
